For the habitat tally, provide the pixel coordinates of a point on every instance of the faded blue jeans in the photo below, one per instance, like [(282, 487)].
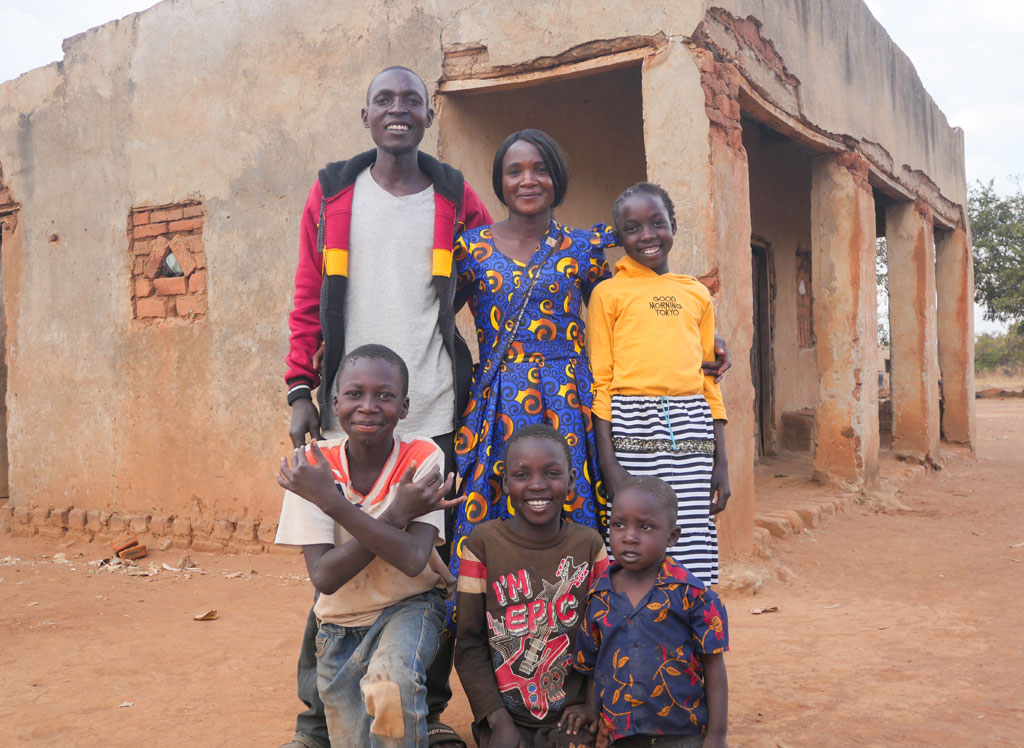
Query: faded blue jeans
[(372, 679)]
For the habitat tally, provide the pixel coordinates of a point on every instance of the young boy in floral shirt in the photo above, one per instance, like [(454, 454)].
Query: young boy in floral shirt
[(653, 635)]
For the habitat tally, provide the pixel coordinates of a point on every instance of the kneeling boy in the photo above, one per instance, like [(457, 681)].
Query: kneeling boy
[(653, 636), (367, 510)]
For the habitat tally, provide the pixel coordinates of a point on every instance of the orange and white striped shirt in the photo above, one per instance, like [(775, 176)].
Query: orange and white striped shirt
[(362, 598)]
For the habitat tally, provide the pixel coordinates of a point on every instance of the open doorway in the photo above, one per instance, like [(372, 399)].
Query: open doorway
[(597, 118), (761, 350)]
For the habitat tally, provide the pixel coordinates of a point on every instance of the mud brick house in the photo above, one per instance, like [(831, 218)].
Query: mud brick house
[(152, 183)]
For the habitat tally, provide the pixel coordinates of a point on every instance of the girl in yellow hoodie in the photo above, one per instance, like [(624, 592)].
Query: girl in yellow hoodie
[(655, 412)]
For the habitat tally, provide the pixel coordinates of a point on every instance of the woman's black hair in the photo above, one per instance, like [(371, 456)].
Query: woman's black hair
[(540, 431), (550, 153), (646, 188)]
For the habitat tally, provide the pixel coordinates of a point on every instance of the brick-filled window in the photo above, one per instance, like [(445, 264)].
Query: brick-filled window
[(804, 313), (168, 261)]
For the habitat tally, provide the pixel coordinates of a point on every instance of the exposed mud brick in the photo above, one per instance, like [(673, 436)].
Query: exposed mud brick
[(191, 211), (223, 529), (762, 542), (190, 305), (142, 246), (6, 510), (209, 545), (139, 266), (138, 523), (140, 218), (21, 515), (38, 515), (59, 517), (184, 255), (188, 224), (150, 229), (23, 531), (267, 532), (181, 527), (777, 526), (197, 282), (171, 286), (124, 541), (154, 307), (5, 522), (810, 515), (77, 519), (712, 282), (166, 214), (181, 542), (97, 520), (155, 259), (51, 533), (116, 525), (160, 524), (245, 531), (133, 553), (143, 288)]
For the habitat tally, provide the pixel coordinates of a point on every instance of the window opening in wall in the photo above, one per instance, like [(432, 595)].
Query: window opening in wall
[(168, 262)]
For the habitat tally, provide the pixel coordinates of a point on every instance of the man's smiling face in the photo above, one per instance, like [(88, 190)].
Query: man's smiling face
[(397, 111)]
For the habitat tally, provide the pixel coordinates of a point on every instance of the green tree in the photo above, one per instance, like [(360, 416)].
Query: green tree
[(997, 228)]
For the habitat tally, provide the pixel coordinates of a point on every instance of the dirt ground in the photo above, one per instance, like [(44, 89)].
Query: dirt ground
[(893, 628)]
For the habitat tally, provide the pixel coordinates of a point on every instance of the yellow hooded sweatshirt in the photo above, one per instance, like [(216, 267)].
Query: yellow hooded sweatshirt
[(647, 334)]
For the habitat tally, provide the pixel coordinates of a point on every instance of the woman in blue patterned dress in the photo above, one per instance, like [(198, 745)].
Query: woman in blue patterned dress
[(525, 279)]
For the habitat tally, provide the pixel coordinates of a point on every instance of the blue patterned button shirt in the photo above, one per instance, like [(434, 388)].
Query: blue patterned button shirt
[(649, 678)]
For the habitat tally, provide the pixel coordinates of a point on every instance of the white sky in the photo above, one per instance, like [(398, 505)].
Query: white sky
[(969, 55)]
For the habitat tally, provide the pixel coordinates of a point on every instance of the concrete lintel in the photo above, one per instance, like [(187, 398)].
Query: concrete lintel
[(761, 110), (600, 64), (912, 327)]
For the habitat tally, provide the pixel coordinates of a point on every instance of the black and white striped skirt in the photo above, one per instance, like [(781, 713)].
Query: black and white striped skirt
[(673, 438)]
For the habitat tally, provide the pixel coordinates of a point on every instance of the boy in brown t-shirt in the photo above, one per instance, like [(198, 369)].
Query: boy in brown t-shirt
[(521, 594)]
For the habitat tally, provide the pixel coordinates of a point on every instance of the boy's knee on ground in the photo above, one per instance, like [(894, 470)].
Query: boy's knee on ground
[(383, 699)]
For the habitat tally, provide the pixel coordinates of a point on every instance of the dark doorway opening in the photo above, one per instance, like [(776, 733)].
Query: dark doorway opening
[(761, 351)]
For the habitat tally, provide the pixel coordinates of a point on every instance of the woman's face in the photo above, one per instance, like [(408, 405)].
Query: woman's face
[(526, 185)]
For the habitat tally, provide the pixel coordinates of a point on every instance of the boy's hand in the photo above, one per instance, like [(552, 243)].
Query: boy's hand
[(504, 733), (305, 420), (722, 362), (579, 717), (313, 481), (720, 491), (415, 498)]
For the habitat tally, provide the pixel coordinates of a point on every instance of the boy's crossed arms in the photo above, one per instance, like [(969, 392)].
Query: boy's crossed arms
[(394, 536)]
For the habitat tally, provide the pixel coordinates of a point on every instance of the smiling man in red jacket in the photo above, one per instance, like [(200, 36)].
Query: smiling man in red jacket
[(375, 266)]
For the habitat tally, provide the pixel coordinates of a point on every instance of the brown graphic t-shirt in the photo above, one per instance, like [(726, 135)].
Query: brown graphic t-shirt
[(519, 606)]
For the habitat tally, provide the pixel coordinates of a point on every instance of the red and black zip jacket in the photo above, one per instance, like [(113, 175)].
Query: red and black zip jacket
[(321, 278)]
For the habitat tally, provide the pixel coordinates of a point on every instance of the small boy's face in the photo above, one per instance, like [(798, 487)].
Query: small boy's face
[(639, 530), (645, 231), (369, 401), (397, 112), (537, 479)]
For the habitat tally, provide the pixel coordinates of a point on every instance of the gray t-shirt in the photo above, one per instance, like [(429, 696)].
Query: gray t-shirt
[(391, 298)]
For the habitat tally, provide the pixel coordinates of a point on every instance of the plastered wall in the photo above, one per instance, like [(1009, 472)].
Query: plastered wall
[(235, 105)]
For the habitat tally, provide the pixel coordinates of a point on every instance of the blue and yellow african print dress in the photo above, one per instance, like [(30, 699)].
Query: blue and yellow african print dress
[(543, 377)]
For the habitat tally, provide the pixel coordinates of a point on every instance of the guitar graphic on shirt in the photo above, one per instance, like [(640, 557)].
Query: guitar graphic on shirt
[(534, 697), (569, 576)]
